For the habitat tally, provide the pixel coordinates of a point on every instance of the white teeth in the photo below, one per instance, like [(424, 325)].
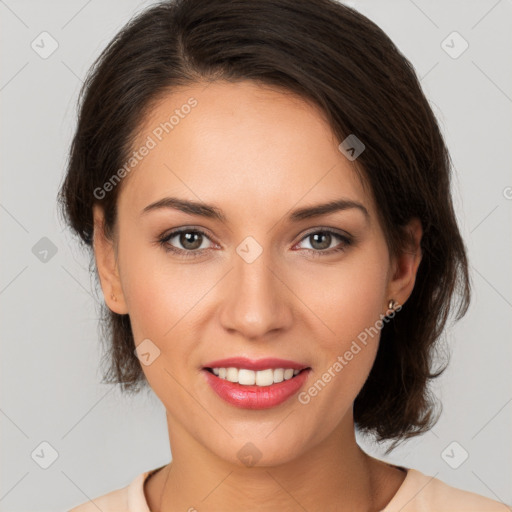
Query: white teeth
[(288, 373), (278, 375), (246, 377), (263, 377), (260, 377), (232, 374)]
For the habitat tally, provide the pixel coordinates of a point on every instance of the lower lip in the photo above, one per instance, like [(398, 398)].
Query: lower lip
[(256, 397)]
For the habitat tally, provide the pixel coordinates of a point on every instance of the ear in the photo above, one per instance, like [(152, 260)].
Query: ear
[(405, 265), (106, 263)]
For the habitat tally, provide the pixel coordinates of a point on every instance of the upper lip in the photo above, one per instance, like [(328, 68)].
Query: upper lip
[(255, 364)]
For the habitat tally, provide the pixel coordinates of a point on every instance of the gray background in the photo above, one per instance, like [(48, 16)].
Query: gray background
[(50, 389)]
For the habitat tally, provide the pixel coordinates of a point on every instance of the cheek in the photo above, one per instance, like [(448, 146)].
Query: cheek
[(348, 297), (158, 312), (350, 307), (362, 298), (163, 299), (152, 292), (348, 300)]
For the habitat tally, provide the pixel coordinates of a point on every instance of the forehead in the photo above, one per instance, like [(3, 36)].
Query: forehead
[(240, 145)]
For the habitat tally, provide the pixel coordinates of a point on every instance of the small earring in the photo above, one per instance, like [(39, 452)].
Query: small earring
[(392, 304), (113, 297)]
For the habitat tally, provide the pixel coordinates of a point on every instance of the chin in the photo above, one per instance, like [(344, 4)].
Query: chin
[(259, 451)]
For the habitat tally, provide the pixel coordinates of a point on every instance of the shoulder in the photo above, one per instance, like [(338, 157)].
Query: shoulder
[(113, 501), (126, 499), (424, 493)]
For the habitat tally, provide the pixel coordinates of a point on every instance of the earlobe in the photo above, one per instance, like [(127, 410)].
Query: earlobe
[(106, 263), (406, 264)]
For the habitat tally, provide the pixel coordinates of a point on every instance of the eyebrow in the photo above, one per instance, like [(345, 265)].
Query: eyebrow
[(210, 211)]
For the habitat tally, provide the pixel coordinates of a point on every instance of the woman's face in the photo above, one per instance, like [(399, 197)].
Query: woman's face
[(260, 280)]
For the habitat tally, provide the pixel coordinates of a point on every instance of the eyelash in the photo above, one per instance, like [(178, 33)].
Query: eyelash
[(164, 242)]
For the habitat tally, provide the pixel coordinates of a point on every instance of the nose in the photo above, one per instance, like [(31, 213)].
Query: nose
[(257, 300)]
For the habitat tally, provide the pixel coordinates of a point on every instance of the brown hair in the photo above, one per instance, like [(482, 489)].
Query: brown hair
[(341, 61)]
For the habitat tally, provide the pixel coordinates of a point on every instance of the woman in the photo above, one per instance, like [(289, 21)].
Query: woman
[(266, 193)]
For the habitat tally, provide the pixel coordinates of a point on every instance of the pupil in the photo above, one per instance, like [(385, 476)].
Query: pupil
[(323, 245), (186, 240)]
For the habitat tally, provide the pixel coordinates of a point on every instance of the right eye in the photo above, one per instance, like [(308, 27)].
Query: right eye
[(191, 241)]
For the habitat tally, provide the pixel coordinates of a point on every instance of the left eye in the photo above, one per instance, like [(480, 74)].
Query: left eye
[(320, 241)]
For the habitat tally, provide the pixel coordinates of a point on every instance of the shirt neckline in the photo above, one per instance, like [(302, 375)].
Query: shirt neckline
[(137, 499)]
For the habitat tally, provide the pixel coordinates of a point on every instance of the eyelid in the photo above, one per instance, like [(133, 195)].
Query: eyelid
[(326, 229)]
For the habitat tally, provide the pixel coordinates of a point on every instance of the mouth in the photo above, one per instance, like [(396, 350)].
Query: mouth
[(267, 384)]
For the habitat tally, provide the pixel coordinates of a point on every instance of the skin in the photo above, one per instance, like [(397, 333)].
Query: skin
[(256, 153)]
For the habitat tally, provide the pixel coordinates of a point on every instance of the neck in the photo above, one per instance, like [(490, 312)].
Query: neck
[(334, 475)]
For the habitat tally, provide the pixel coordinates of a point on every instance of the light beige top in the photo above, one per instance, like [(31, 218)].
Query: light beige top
[(418, 493)]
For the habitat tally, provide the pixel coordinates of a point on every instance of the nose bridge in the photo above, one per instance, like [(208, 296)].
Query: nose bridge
[(256, 303)]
